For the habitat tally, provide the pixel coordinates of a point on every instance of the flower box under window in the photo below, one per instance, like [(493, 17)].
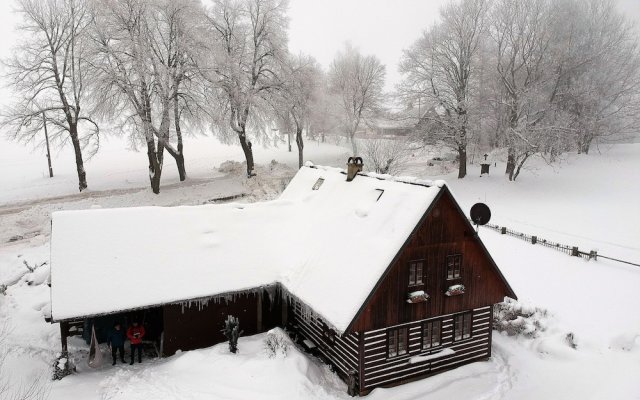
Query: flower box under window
[(455, 290), (419, 296)]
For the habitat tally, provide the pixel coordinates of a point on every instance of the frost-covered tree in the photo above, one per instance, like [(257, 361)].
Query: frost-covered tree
[(141, 55), (439, 68), (48, 72), (244, 63), (598, 72), (386, 156), (522, 35), (298, 96), (357, 81)]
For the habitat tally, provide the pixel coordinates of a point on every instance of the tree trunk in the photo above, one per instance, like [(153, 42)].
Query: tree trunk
[(180, 155), (517, 172), (511, 162), (300, 144), (354, 145), (248, 152), (82, 175), (462, 162), (585, 145), (155, 166)]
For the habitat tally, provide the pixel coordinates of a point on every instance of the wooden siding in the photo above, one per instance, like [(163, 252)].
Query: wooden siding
[(343, 353), (443, 231), (378, 370), (194, 325)]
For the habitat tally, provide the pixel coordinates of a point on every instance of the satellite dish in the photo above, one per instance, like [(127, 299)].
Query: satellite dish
[(480, 214)]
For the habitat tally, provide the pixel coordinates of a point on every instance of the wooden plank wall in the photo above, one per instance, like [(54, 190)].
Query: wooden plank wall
[(343, 354), (381, 371), (444, 232)]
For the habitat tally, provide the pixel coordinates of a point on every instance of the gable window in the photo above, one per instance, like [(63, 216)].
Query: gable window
[(416, 273), (462, 326), (454, 266), (431, 334), (397, 342)]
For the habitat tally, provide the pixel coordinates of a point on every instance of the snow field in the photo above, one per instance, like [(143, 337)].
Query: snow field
[(586, 201)]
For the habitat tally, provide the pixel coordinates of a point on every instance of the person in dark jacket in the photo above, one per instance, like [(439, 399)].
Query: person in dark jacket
[(135, 333), (115, 340)]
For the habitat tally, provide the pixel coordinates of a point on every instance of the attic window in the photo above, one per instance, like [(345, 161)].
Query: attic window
[(380, 192), (318, 183)]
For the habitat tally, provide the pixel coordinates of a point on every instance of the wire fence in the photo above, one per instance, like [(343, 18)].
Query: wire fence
[(565, 248)]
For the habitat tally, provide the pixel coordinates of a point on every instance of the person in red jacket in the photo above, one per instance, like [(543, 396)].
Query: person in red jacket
[(135, 333)]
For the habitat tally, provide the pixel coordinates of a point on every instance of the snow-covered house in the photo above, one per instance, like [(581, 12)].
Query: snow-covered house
[(383, 276)]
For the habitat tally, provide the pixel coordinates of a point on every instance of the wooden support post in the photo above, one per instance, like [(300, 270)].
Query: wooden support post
[(361, 362), (285, 311), (575, 252), (46, 138), (534, 239), (64, 332), (259, 315), (503, 230)]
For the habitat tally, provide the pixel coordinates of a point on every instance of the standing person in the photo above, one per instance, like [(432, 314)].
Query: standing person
[(115, 340), (135, 333)]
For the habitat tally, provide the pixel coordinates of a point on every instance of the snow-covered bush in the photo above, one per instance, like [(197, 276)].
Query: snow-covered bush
[(233, 167), (514, 318), (276, 343), (232, 332), (62, 366)]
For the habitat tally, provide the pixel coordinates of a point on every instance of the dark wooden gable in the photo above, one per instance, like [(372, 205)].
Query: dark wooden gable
[(442, 231)]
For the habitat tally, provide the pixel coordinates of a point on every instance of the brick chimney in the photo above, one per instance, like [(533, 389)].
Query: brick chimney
[(354, 165)]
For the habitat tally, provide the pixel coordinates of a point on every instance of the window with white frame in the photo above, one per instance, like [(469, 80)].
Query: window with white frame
[(431, 334), (397, 342), (462, 326), (416, 273), (454, 266)]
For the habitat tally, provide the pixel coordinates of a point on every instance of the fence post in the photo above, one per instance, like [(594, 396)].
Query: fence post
[(534, 239), (574, 251), (503, 230)]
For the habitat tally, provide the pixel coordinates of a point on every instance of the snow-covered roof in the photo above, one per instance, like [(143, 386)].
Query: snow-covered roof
[(328, 247)]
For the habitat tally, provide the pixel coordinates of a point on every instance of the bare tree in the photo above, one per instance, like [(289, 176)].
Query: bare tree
[(357, 80), (439, 67), (248, 46), (140, 66), (522, 36), (37, 389), (599, 79), (301, 79), (386, 156), (49, 73)]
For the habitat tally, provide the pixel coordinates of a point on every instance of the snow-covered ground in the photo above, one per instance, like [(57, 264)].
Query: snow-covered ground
[(589, 201)]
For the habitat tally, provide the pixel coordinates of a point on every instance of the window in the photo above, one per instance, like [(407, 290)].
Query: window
[(462, 326), (454, 266), (318, 183), (431, 334), (416, 273), (397, 342)]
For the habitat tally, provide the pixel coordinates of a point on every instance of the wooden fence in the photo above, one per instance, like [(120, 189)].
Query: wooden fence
[(567, 249)]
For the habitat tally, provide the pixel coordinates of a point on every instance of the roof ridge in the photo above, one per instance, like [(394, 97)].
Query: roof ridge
[(409, 180)]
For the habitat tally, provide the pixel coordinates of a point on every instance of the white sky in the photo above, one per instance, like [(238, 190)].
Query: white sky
[(380, 27), (321, 27)]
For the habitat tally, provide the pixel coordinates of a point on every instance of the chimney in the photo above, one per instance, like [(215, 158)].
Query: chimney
[(354, 165)]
